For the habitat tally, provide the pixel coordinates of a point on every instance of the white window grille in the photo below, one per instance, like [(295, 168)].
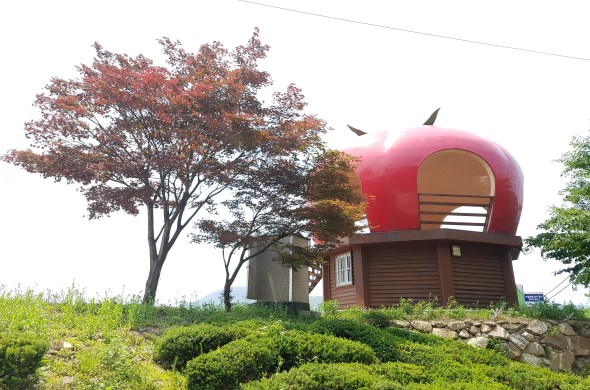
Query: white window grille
[(343, 269)]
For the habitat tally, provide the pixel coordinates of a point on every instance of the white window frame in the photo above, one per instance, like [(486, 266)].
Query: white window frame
[(343, 268)]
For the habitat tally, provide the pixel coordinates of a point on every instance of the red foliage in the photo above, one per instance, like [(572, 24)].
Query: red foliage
[(132, 134)]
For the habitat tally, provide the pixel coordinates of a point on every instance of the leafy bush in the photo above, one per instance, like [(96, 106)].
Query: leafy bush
[(181, 344), (226, 367), (377, 318), (402, 372), (524, 376), (20, 356), (383, 343), (496, 345), (261, 354), (296, 347), (475, 368), (343, 376), (329, 309), (553, 311), (446, 365), (454, 309), (421, 338), (438, 354), (451, 365)]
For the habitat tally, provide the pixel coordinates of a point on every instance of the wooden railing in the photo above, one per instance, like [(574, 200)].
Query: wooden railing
[(434, 208), (315, 275)]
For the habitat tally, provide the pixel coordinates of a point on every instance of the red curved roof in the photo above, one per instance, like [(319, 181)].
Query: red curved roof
[(389, 170)]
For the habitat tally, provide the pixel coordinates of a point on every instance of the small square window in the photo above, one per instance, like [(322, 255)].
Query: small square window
[(343, 269)]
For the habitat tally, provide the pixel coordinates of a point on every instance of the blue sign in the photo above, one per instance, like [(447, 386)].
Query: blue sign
[(536, 297)]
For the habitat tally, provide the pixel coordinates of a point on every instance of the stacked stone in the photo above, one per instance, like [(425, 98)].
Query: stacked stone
[(541, 343)]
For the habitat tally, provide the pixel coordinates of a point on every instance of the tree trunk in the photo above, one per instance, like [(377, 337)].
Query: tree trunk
[(151, 285), (227, 295), (229, 281), (156, 259)]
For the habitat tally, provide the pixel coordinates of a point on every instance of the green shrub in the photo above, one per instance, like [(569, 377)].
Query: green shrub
[(383, 343), (375, 317), (524, 376), (262, 354), (405, 306), (343, 376), (493, 344), (230, 365), (435, 355), (447, 374), (20, 356), (329, 309), (296, 348), (403, 373), (421, 338), (553, 311), (453, 362), (181, 344)]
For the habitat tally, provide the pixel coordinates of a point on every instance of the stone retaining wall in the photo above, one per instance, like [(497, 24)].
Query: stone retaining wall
[(560, 346)]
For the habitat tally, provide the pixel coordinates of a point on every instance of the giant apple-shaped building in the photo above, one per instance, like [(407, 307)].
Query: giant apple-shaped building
[(443, 210)]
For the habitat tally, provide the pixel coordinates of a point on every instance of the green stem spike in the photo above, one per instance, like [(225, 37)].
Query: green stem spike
[(432, 118), (356, 131)]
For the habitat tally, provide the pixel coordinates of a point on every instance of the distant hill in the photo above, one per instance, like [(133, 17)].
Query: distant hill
[(239, 293)]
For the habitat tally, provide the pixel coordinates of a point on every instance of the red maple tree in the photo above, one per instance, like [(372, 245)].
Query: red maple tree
[(132, 134)]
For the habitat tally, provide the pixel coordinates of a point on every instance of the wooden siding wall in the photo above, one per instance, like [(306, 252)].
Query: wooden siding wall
[(344, 295), (402, 270), (478, 275)]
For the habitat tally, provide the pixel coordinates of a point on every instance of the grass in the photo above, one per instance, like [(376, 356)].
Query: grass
[(110, 343), (108, 351)]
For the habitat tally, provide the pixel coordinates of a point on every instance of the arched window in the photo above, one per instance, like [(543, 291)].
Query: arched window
[(455, 190)]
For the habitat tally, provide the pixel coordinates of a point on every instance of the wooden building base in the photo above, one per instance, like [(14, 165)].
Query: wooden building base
[(473, 268)]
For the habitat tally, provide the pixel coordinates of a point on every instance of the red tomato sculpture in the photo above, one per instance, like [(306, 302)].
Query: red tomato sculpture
[(393, 168)]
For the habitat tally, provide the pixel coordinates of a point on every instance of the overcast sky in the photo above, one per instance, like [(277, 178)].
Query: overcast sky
[(360, 70)]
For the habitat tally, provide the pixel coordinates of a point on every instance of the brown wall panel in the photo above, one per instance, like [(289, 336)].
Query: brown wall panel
[(406, 270), (478, 275), (411, 270)]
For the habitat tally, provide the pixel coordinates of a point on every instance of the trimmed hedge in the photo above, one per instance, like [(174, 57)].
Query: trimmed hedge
[(451, 362), (225, 368), (524, 376), (383, 343), (259, 355), (420, 338), (20, 356), (298, 359), (343, 376), (397, 375), (181, 344)]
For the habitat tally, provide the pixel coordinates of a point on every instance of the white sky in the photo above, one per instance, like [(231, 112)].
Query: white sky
[(373, 78)]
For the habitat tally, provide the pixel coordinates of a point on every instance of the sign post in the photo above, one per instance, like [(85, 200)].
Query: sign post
[(534, 297)]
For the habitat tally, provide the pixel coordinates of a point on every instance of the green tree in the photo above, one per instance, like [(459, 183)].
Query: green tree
[(308, 192), (566, 233)]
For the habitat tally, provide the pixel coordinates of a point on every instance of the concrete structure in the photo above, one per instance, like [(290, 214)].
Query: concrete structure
[(270, 282)]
